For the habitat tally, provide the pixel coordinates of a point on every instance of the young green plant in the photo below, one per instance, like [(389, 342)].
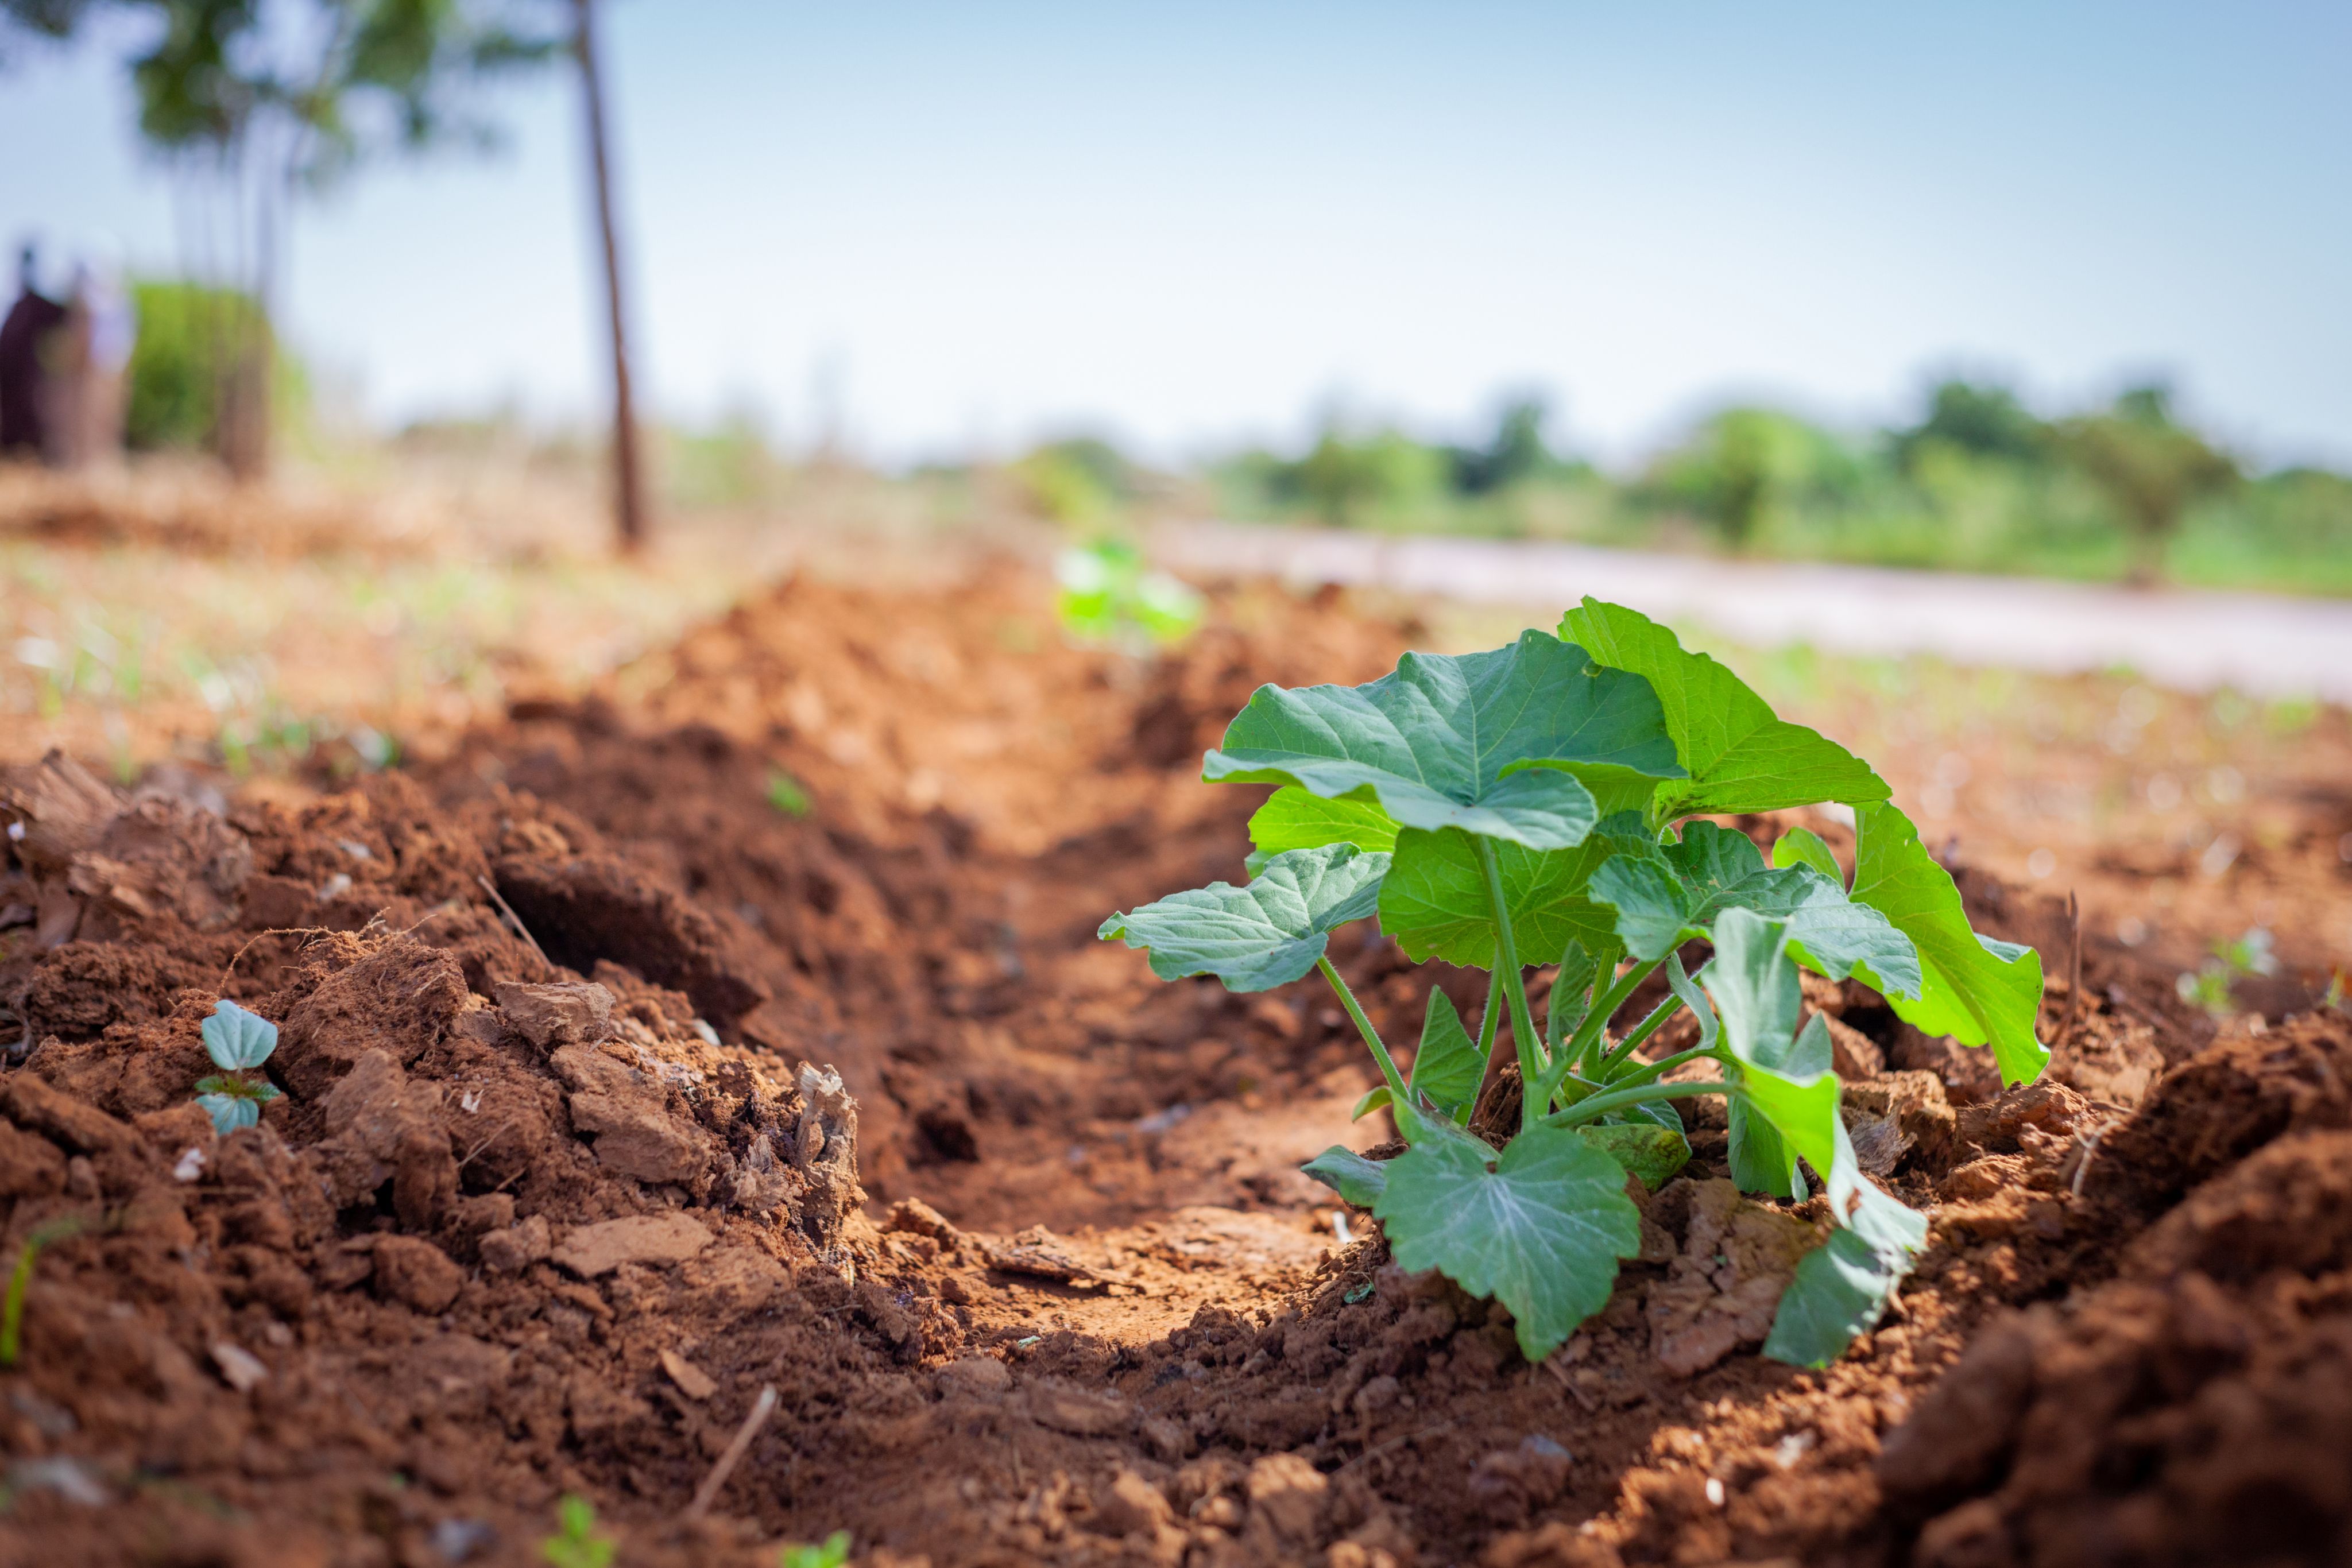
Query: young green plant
[(239, 1042), (1548, 802), (576, 1543)]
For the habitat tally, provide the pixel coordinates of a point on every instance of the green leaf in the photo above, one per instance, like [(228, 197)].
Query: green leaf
[(1434, 901), (1447, 1067), (1975, 990), (236, 1039), (1343, 1170), (1262, 936), (230, 1112), (1296, 818), (1798, 846), (1571, 995), (1843, 1286), (1458, 741), (1540, 1228), (1740, 757), (1785, 1099), (1374, 1098), (1840, 1290), (1646, 1147), (1664, 900)]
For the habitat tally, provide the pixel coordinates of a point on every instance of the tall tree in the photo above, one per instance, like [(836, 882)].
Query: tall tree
[(2152, 468), (628, 486), (257, 103)]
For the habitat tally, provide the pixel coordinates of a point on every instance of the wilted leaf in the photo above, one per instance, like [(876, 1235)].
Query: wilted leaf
[(1358, 1180)]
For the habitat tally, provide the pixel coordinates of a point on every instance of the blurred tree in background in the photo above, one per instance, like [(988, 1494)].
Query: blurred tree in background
[(2152, 468), (255, 104)]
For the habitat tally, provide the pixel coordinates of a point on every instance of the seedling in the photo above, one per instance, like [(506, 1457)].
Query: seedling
[(239, 1042), (2210, 985), (575, 1543), (20, 1279), (1551, 799), (785, 794), (1110, 596), (832, 1553)]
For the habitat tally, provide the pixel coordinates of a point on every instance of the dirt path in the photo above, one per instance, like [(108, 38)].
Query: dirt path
[(2191, 640), (510, 1235)]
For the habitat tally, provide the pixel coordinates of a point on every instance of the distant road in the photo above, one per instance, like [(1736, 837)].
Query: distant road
[(2191, 639)]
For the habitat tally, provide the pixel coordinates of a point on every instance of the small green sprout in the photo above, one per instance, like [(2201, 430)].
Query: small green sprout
[(239, 1042), (1108, 596), (12, 1310), (785, 794), (1549, 802), (575, 1543), (832, 1553), (2210, 985)]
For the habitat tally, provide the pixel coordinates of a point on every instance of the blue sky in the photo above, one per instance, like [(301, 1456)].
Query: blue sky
[(958, 226)]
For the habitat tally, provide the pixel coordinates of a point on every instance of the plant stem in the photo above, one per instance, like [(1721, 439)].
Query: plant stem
[(1601, 1105), (1397, 1089), (1637, 1034), (1650, 1073), (1604, 1008), (1487, 1020), (1508, 976)]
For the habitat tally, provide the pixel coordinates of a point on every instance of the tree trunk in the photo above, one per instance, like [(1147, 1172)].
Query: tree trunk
[(628, 500)]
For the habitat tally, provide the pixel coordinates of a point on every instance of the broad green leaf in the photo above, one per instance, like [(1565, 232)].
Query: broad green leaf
[(1972, 988), (1296, 818), (1539, 1227), (1664, 900), (1798, 846), (1343, 1170), (236, 1039), (230, 1112), (1646, 1147), (1433, 900), (1262, 936), (1843, 1286), (1786, 1098), (1447, 1067), (1739, 755), (1468, 742)]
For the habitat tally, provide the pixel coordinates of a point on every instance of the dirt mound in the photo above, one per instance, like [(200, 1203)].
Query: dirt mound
[(562, 1181)]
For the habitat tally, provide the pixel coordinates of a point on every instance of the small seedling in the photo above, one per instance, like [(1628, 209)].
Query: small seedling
[(1551, 798), (575, 1543), (785, 794), (239, 1042), (2210, 985), (1110, 596), (20, 1279), (832, 1553)]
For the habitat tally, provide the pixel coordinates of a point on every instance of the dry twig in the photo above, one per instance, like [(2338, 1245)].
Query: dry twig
[(762, 1408)]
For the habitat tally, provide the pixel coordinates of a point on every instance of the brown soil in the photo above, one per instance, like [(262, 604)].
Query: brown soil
[(562, 1181)]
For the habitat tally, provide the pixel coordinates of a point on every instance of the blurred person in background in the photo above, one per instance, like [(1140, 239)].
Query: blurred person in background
[(25, 348), (86, 362)]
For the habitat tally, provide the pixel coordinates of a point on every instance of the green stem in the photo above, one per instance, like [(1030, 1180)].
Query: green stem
[(1604, 1008), (1508, 975), (1650, 1073), (1397, 1089), (1637, 1034), (1487, 1020), (1601, 1105)]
